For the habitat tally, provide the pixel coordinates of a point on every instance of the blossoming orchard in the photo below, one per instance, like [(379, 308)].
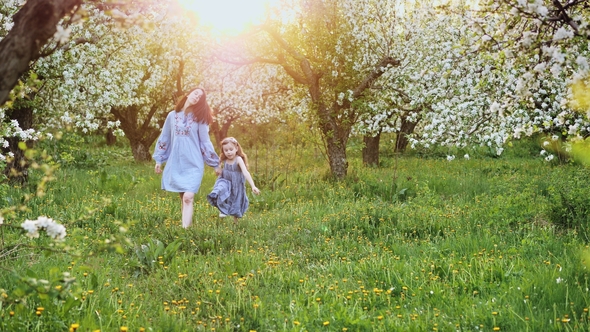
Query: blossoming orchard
[(422, 165), (460, 73)]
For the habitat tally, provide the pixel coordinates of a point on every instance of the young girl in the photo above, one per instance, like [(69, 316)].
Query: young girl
[(229, 191)]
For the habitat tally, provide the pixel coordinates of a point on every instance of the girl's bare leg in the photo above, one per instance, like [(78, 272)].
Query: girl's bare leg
[(187, 208), (235, 220)]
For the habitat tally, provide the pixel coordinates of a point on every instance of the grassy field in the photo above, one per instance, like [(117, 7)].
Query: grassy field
[(486, 244)]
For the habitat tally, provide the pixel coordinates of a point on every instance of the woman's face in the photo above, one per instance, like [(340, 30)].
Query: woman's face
[(193, 98)]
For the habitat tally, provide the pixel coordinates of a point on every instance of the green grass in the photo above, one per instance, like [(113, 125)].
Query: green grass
[(468, 245)]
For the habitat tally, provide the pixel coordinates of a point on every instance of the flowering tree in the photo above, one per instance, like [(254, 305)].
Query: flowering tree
[(254, 93), (327, 47), (457, 85), (128, 79), (24, 38), (546, 44), (25, 34)]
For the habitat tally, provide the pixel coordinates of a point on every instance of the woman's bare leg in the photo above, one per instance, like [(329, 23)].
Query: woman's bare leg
[(181, 205), (187, 208)]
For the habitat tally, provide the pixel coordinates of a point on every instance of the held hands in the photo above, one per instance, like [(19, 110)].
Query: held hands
[(158, 169), (218, 171), (256, 190)]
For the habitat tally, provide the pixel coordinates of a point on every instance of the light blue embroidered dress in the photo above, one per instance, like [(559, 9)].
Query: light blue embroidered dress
[(184, 145)]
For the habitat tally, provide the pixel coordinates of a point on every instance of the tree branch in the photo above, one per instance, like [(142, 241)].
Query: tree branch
[(374, 75), (34, 24), (310, 76)]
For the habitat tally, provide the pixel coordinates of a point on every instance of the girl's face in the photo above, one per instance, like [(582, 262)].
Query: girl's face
[(230, 151)]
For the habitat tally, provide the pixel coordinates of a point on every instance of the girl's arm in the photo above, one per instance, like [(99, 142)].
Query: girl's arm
[(247, 175)]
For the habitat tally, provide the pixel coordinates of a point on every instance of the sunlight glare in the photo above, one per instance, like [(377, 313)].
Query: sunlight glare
[(228, 16)]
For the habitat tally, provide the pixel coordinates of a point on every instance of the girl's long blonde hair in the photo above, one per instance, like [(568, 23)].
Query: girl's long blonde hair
[(231, 140)]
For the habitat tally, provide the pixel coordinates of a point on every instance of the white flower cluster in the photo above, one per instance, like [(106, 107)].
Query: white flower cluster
[(53, 229), (248, 93), (12, 129)]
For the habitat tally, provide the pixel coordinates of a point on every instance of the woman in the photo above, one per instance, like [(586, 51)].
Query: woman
[(185, 147)]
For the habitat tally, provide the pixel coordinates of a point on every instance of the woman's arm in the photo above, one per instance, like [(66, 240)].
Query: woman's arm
[(210, 157), (162, 150), (247, 174)]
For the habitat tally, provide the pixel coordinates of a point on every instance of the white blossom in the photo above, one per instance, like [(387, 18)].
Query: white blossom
[(562, 33), (62, 35), (53, 229)]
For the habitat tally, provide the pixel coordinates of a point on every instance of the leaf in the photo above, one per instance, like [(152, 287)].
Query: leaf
[(18, 292), (93, 281), (69, 304), (31, 274)]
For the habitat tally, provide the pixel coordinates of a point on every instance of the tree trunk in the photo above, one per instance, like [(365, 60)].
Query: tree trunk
[(371, 150), (337, 157), (17, 168), (220, 132), (34, 24), (111, 139), (406, 129), (141, 152), (139, 133)]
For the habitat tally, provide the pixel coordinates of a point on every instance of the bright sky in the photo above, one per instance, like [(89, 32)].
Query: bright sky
[(228, 16)]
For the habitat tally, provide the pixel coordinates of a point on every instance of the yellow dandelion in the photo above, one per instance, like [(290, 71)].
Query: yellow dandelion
[(326, 323)]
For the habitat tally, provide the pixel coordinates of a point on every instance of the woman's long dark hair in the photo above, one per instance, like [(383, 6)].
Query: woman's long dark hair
[(201, 111)]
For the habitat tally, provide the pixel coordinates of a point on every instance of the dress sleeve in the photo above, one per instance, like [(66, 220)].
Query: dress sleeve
[(207, 150), (162, 150)]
